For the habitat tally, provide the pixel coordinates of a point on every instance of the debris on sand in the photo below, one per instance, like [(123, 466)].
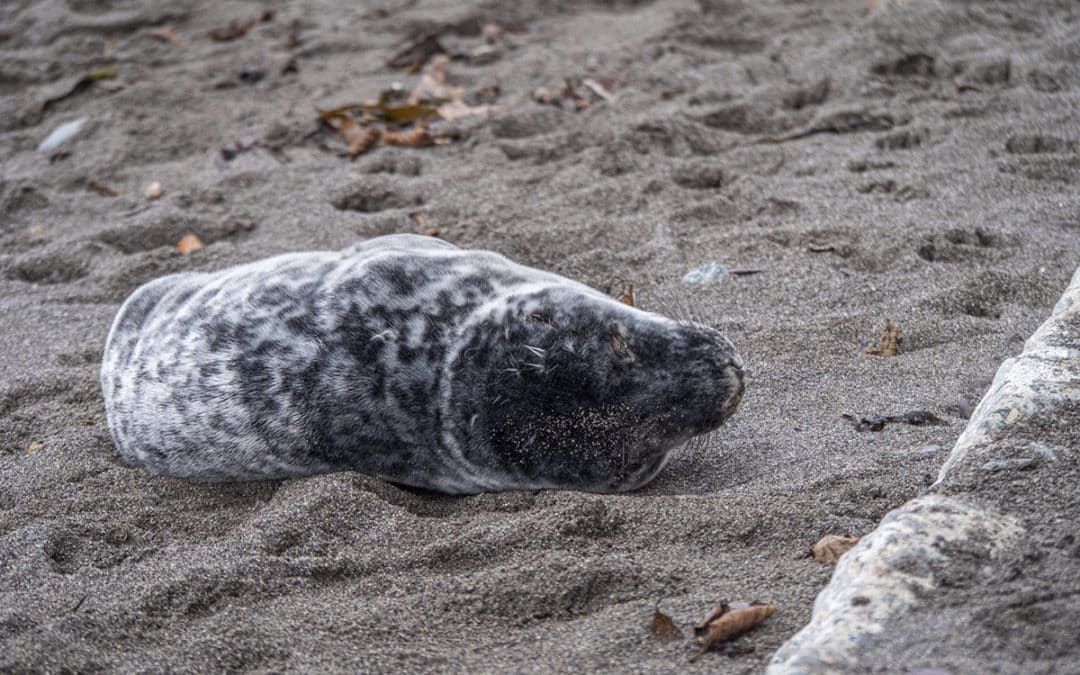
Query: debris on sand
[(61, 134), (166, 33), (663, 628), (829, 548), (188, 243), (878, 422), (887, 344), (727, 621), (238, 29)]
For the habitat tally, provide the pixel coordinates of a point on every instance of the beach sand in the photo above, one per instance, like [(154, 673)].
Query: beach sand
[(915, 161)]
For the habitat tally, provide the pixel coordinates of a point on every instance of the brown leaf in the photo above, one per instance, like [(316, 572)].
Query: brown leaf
[(455, 110), (237, 29), (101, 188), (417, 137), (829, 548), (702, 626), (422, 226), (414, 55), (493, 32), (189, 243), (294, 40), (545, 96), (627, 296), (888, 342), (358, 140), (34, 446), (166, 33), (597, 88), (433, 84), (663, 627), (731, 623)]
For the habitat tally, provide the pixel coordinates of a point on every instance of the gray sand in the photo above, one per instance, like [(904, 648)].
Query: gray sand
[(942, 171)]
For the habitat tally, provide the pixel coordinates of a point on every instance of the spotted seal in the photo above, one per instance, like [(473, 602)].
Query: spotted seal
[(411, 359)]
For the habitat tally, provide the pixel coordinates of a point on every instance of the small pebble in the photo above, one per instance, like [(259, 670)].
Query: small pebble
[(707, 273), (153, 190), (61, 134)]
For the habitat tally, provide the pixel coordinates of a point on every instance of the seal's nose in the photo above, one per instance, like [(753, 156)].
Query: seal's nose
[(734, 376)]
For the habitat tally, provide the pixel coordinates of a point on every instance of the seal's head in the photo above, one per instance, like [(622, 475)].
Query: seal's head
[(563, 387)]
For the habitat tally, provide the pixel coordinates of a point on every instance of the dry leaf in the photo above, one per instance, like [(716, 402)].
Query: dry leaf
[(821, 248), (101, 188), (663, 627), (726, 622), (189, 243), (544, 95), (627, 296), (414, 55), (597, 88), (417, 137), (829, 548), (109, 47), (433, 84), (887, 343), (358, 140), (878, 422), (166, 33), (702, 626), (237, 29), (493, 32), (455, 110), (153, 190), (293, 41), (34, 446), (422, 224)]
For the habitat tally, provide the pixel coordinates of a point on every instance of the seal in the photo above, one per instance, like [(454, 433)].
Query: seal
[(410, 359)]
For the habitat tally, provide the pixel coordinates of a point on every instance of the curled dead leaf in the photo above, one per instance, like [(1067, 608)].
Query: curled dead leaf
[(493, 32), (725, 622), (887, 344), (189, 243), (34, 446), (358, 140), (597, 88), (663, 627), (829, 548), (417, 137), (422, 226), (455, 110), (433, 83), (237, 29), (627, 296), (101, 188), (166, 33)]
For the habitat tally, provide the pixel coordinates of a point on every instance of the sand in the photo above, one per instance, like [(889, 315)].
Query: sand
[(930, 147)]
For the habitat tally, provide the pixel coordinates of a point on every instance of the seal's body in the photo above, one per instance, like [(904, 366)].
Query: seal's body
[(413, 360)]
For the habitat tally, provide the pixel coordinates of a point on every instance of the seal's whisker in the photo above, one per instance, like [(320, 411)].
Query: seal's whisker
[(537, 351)]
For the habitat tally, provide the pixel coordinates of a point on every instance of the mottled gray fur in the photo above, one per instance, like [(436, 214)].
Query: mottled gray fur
[(407, 358)]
